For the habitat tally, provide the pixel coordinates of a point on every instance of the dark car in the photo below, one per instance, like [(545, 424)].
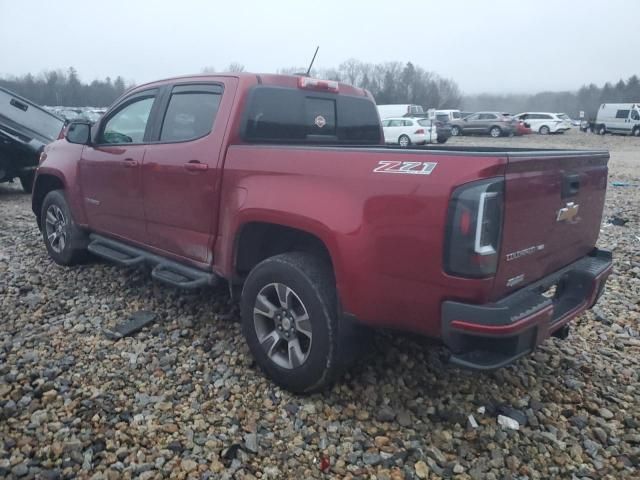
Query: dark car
[(495, 124), (25, 128)]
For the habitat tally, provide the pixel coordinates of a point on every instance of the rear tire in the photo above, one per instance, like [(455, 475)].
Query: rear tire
[(544, 130), (495, 132), (455, 131), (26, 180), (404, 141), (294, 294), (602, 130), (443, 139), (64, 240)]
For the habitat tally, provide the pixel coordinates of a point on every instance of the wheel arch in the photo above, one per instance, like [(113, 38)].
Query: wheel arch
[(258, 240), (44, 184)]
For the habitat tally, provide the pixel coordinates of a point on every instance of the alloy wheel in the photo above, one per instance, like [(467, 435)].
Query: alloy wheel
[(282, 325), (56, 228)]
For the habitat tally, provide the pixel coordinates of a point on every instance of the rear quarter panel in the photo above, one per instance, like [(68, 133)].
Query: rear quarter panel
[(384, 231)]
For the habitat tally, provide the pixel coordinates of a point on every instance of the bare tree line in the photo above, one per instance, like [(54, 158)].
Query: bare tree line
[(587, 99), (389, 82), (57, 87)]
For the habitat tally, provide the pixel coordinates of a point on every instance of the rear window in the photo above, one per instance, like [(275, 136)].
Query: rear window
[(287, 115), (191, 112), (456, 114), (442, 117)]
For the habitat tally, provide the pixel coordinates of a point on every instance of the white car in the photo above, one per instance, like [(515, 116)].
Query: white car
[(408, 131), (545, 123)]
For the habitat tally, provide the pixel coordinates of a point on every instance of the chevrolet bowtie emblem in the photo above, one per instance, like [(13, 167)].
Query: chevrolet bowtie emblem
[(568, 213)]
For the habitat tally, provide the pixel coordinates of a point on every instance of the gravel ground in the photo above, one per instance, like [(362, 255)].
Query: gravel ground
[(182, 398)]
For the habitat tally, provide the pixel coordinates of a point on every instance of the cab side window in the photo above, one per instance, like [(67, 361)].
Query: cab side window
[(191, 112), (129, 124), (635, 115)]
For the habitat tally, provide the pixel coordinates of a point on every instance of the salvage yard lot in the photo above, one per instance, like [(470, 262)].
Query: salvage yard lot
[(183, 397)]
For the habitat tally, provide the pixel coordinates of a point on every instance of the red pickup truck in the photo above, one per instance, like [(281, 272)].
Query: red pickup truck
[(281, 186)]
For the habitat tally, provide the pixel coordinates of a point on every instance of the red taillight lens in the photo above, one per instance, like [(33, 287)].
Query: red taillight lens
[(420, 131), (474, 229), (315, 84)]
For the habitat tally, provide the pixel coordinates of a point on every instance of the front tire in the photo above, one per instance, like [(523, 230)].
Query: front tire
[(636, 132), (290, 321), (544, 130), (404, 141), (64, 240)]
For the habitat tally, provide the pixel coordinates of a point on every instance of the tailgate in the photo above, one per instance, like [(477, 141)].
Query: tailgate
[(552, 214)]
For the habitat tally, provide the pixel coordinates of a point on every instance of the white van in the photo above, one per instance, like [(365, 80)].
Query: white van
[(618, 118), (399, 110)]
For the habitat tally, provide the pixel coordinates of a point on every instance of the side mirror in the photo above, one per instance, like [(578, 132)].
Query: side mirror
[(79, 132)]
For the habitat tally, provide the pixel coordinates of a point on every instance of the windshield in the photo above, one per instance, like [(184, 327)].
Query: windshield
[(564, 116)]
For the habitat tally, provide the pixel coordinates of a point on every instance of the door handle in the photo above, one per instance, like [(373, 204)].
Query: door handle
[(129, 163), (196, 166)]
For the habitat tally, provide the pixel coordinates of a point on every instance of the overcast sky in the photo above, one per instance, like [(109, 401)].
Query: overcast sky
[(490, 45)]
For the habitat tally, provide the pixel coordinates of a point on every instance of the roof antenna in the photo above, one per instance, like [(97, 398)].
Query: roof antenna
[(312, 60)]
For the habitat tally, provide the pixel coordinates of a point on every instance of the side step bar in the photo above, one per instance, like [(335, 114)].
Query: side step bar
[(164, 270)]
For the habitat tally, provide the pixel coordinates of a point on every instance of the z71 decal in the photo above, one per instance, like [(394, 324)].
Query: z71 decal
[(410, 168)]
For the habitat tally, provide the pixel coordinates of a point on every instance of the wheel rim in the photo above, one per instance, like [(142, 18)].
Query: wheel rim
[(455, 132), (282, 325), (544, 130), (495, 132), (56, 228), (404, 141)]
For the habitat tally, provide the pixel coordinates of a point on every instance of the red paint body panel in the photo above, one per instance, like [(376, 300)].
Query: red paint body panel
[(385, 232), (533, 198)]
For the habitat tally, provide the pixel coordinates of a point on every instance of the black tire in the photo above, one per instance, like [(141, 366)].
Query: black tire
[(443, 139), (456, 131), (636, 132), (312, 282), (56, 222), (544, 130), (404, 141), (602, 130), (495, 132), (26, 180)]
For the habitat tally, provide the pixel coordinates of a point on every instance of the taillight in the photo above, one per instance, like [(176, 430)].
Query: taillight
[(474, 229), (420, 131), (315, 84)]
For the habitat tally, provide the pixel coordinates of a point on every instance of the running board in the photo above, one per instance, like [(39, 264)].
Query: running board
[(164, 270)]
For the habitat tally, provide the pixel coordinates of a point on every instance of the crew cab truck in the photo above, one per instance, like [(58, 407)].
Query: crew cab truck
[(25, 128), (281, 187)]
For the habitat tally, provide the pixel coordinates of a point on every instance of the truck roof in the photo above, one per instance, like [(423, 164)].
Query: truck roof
[(260, 78)]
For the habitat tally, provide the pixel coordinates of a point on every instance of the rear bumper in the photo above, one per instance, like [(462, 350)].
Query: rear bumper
[(486, 337)]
